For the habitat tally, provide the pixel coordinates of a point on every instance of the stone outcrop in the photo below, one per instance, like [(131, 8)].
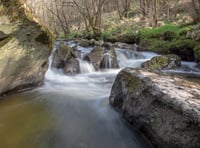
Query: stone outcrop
[(65, 58), (103, 57), (165, 108), (62, 53), (87, 43), (24, 49), (95, 56), (163, 62)]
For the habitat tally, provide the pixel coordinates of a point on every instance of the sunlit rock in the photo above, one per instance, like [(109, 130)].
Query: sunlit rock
[(166, 108)]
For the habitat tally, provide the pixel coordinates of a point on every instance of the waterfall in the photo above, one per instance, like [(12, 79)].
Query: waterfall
[(85, 67), (132, 58), (107, 61)]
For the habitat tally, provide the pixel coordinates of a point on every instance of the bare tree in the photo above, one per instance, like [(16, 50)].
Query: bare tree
[(196, 8), (123, 8), (91, 12)]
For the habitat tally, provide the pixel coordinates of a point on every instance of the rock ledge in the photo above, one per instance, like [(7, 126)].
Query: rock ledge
[(166, 108)]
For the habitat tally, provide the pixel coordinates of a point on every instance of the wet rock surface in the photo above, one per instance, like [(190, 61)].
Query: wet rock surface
[(165, 108)]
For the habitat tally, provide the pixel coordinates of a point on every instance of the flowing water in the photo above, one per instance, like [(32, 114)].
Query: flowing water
[(70, 111)]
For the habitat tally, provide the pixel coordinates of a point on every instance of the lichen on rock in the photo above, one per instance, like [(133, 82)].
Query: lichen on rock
[(163, 62)]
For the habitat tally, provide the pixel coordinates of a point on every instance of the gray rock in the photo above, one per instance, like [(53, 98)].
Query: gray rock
[(23, 60), (163, 62), (125, 46), (85, 43), (61, 55), (75, 52), (165, 108), (71, 66)]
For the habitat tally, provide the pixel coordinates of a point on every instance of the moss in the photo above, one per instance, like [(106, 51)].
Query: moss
[(170, 31), (163, 62), (155, 45), (5, 41), (182, 44), (157, 63)]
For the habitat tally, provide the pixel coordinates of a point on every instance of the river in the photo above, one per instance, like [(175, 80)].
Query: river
[(70, 111)]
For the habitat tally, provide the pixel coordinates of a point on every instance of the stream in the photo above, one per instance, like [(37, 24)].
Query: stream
[(72, 111)]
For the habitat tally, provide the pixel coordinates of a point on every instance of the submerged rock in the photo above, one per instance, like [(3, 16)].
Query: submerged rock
[(166, 108), (163, 62), (23, 59)]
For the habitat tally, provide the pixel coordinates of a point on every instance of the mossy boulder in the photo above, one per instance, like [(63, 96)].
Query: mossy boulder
[(165, 108), (163, 62)]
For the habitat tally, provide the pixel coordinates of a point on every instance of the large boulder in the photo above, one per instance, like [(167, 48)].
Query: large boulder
[(23, 58), (165, 108), (163, 62)]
